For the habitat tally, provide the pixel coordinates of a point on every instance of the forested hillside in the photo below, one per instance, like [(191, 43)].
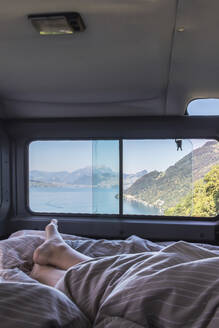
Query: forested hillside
[(167, 189), (203, 201)]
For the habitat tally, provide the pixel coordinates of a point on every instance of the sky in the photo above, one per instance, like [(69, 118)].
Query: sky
[(54, 156), (152, 155), (138, 155), (59, 155), (204, 107)]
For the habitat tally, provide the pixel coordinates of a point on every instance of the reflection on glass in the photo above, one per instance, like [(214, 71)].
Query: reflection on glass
[(105, 175), (157, 175), (206, 178), (74, 176)]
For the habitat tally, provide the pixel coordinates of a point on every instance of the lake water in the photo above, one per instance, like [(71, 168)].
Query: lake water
[(100, 201)]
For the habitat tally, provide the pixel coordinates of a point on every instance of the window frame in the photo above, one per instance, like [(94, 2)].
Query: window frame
[(81, 215), (20, 132), (120, 215)]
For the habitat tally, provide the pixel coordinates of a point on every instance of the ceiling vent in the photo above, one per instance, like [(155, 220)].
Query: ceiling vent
[(57, 23)]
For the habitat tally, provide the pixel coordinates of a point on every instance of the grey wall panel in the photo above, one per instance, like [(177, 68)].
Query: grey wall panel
[(22, 132), (153, 229), (132, 127), (5, 179)]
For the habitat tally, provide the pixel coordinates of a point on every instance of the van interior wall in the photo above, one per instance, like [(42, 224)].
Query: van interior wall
[(16, 136), (5, 192)]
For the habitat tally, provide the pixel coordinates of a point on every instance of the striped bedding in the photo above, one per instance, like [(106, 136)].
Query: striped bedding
[(34, 305), (175, 287), (130, 283)]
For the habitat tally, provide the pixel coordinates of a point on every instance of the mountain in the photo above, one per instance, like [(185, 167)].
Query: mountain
[(204, 158), (61, 178), (129, 179), (102, 177), (165, 189)]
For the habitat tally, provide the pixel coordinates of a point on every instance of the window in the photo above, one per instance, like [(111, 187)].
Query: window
[(201, 107), (163, 173), (171, 182), (74, 176), (160, 177)]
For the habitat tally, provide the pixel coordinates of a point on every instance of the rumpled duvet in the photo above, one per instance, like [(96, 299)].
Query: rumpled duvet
[(133, 283), (175, 287)]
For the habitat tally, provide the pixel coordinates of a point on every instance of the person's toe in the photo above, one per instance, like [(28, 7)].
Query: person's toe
[(54, 221), (51, 230)]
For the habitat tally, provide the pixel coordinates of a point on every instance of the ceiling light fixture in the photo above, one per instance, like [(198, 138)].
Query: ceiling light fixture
[(57, 23)]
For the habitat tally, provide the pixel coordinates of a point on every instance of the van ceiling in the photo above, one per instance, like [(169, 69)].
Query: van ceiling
[(141, 57)]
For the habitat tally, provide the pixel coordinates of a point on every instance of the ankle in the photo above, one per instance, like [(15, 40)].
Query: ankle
[(61, 247), (34, 274)]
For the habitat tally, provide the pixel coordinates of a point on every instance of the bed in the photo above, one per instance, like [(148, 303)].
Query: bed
[(128, 283)]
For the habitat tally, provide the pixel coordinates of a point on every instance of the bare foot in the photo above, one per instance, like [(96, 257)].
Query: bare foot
[(55, 252), (50, 251), (46, 274)]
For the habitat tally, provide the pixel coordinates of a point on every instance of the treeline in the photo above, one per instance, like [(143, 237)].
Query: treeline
[(203, 201)]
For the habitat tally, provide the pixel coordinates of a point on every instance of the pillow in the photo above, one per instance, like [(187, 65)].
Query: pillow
[(33, 305), (17, 252)]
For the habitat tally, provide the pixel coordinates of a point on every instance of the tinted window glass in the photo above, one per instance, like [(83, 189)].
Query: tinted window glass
[(160, 177), (171, 177), (74, 176), (105, 164), (201, 107)]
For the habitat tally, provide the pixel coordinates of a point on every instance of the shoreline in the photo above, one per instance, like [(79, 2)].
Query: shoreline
[(131, 198)]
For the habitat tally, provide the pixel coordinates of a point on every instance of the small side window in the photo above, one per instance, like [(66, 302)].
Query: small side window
[(203, 107)]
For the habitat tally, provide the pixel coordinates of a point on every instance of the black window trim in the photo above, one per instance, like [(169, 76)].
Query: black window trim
[(120, 215)]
